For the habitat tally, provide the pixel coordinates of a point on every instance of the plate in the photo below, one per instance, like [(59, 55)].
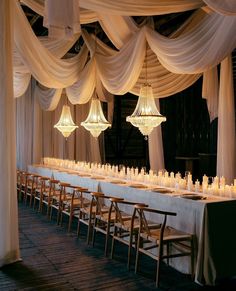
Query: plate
[(98, 177), (193, 196), (84, 175), (162, 191), (118, 182), (138, 186)]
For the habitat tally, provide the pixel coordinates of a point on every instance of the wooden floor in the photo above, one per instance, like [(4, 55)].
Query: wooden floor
[(52, 259)]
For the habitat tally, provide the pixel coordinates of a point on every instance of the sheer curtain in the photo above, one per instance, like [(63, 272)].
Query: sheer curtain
[(226, 143), (9, 242)]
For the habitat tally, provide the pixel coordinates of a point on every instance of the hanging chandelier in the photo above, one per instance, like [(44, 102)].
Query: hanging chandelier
[(96, 121), (66, 124), (146, 115)]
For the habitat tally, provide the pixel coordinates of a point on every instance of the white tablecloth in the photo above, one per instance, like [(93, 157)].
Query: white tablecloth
[(212, 221)]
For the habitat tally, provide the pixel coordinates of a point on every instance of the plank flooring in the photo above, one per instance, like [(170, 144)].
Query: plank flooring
[(53, 259)]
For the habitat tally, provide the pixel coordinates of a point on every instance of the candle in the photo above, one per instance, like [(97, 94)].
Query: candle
[(222, 181), (197, 186)]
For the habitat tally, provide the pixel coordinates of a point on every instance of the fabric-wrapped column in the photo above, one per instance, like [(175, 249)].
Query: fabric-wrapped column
[(9, 242)]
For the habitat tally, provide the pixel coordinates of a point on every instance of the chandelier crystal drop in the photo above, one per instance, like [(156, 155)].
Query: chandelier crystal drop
[(96, 121), (146, 115), (66, 124)]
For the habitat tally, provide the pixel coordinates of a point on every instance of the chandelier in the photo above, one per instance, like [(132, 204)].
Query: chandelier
[(65, 124), (146, 115), (96, 121)]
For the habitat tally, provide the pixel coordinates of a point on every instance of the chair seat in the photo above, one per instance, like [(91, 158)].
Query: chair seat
[(170, 234)]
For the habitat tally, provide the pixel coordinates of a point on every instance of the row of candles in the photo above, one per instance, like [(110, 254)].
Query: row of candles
[(216, 186)]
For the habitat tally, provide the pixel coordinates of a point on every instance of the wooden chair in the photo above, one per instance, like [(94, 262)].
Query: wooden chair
[(104, 217), (162, 239), (73, 202), (125, 225), (18, 182), (24, 176), (87, 214), (42, 185), (47, 195), (57, 200), (31, 187)]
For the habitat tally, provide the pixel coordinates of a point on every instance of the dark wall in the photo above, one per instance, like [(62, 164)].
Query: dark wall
[(189, 139)]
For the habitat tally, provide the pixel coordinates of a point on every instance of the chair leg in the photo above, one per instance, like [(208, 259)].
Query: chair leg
[(130, 248), (89, 229), (58, 215), (70, 221), (48, 207), (51, 213), (192, 257), (107, 237), (137, 255), (78, 224), (94, 231), (160, 251), (113, 241)]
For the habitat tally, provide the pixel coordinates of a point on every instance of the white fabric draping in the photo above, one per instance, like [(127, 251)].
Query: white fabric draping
[(155, 147), (48, 98), (62, 18), (226, 143), (86, 16), (140, 7), (81, 91), (46, 68), (9, 242), (210, 89), (227, 7), (21, 83), (29, 129), (195, 51)]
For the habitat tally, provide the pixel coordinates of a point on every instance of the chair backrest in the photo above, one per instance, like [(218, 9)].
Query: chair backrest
[(144, 225), (117, 202), (42, 183), (100, 200)]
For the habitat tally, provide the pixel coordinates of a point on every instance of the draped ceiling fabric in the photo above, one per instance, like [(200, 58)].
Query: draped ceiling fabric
[(62, 18), (176, 62), (9, 242), (226, 165)]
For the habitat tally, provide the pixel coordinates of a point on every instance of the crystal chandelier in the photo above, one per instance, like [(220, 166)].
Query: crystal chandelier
[(146, 115), (65, 124), (96, 121)]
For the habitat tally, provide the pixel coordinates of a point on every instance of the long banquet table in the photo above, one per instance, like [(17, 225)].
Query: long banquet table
[(212, 221)]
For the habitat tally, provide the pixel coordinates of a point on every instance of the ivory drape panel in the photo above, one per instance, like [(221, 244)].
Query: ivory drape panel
[(227, 7), (140, 7), (29, 129), (226, 144), (210, 89), (62, 18), (9, 239)]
